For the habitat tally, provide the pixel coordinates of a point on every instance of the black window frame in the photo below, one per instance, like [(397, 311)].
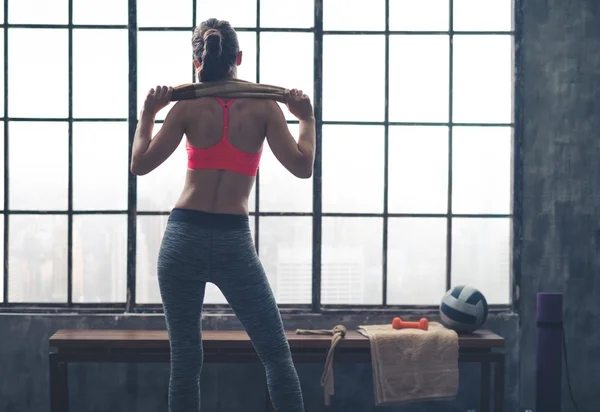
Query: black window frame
[(316, 306)]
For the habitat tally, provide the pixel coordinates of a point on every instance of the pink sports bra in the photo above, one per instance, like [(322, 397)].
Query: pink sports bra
[(223, 156)]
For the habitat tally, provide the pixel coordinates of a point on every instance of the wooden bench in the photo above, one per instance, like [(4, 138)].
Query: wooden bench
[(141, 346)]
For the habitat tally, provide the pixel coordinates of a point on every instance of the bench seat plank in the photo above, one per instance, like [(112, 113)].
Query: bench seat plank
[(237, 339)]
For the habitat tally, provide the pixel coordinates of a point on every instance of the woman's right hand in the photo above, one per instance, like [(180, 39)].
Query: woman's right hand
[(299, 104)]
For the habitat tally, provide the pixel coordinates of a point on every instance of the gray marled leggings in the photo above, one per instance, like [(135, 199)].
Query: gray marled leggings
[(200, 247)]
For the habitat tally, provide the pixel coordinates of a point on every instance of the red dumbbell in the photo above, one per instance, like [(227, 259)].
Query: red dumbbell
[(422, 324)]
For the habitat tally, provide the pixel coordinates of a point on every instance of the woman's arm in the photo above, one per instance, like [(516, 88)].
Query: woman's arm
[(148, 153), (297, 157)]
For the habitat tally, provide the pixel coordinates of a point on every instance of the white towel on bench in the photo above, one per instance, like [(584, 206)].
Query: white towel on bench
[(411, 364)]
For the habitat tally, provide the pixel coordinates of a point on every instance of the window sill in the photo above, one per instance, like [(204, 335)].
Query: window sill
[(224, 310)]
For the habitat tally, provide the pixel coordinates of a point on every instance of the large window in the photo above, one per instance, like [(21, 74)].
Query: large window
[(412, 185)]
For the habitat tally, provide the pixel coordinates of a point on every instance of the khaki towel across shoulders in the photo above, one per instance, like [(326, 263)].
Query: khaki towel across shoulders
[(231, 88), (412, 365)]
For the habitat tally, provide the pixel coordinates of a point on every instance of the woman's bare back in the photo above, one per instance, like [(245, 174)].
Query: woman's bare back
[(222, 191), (201, 122)]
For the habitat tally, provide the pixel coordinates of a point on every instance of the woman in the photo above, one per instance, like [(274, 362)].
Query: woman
[(208, 237)]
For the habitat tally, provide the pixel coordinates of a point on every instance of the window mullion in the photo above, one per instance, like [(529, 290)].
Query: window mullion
[(384, 265), (317, 184), (132, 181), (450, 118), (6, 159)]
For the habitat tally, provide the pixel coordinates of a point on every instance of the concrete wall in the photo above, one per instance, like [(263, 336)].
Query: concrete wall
[(560, 252), (226, 388), (561, 186)]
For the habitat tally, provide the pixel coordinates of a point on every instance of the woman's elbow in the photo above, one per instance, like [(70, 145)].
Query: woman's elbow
[(305, 170), (138, 169), (305, 174)]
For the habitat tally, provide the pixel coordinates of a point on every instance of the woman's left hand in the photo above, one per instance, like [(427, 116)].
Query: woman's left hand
[(157, 99)]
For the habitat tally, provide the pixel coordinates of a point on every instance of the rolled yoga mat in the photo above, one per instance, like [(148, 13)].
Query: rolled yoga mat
[(233, 88), (549, 352)]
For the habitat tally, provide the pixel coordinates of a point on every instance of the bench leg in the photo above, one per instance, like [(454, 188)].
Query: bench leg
[(485, 386), (59, 395), (499, 385)]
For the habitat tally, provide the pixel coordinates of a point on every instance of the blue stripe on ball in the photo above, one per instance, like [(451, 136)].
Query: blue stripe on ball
[(475, 298), (456, 291), (457, 316), (461, 306)]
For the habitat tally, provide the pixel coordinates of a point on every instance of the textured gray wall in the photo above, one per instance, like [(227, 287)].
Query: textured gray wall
[(226, 388), (561, 186)]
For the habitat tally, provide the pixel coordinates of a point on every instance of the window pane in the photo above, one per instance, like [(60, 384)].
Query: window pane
[(104, 12), (353, 168), (287, 13), (286, 254), (416, 261), (100, 165), (482, 79), (354, 15), (247, 70), (419, 78), (160, 189), (99, 258), (481, 170), (343, 97), (38, 191), (240, 13), (159, 13), (477, 15), (174, 67), (288, 47), (26, 75), (418, 169), (37, 259), (481, 256), (107, 67), (351, 265), (213, 295), (38, 12), (281, 191), (419, 15), (150, 230)]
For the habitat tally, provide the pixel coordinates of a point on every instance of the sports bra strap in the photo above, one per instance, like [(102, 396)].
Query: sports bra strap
[(225, 117), (225, 105)]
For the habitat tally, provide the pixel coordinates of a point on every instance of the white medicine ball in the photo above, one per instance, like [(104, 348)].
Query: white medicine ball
[(464, 309)]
